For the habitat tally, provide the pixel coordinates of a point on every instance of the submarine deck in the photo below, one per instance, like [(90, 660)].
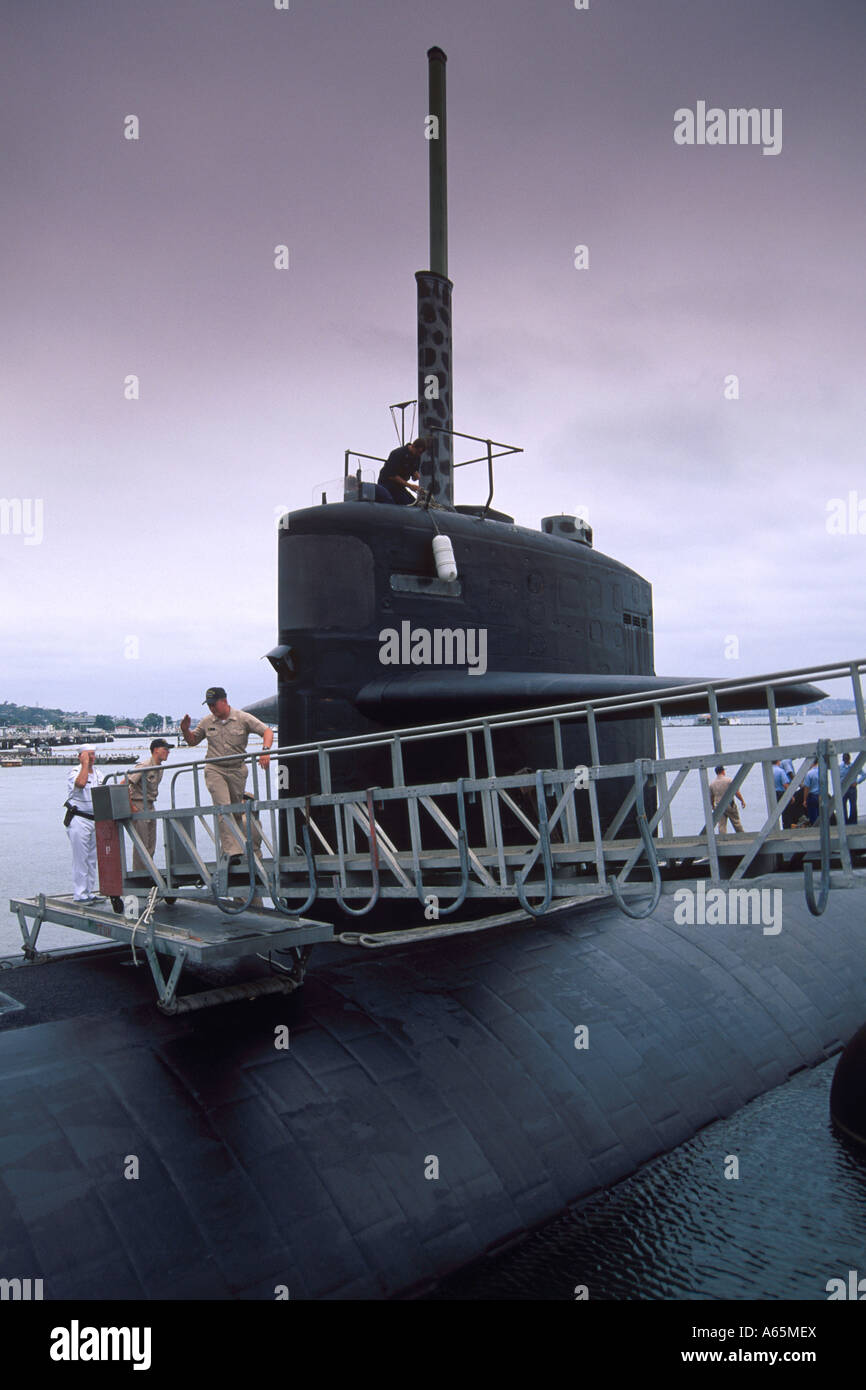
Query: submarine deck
[(306, 1167)]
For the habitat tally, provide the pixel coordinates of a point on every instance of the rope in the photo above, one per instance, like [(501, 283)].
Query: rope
[(144, 919), (404, 938)]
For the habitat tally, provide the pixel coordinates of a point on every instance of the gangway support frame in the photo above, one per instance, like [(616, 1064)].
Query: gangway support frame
[(188, 933)]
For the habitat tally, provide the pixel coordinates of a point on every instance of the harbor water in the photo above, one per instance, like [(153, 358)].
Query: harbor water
[(683, 1227), (793, 1218)]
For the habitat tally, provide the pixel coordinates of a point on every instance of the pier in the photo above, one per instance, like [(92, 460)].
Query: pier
[(66, 760)]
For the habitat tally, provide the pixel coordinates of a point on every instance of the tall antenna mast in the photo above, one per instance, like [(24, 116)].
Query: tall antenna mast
[(434, 303)]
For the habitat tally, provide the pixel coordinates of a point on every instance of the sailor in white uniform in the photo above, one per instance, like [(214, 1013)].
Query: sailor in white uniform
[(80, 827)]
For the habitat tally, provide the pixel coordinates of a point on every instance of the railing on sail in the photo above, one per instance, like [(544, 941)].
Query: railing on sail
[(535, 835), (352, 481)]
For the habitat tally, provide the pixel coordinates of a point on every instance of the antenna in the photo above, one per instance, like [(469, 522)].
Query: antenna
[(403, 406), (434, 303)]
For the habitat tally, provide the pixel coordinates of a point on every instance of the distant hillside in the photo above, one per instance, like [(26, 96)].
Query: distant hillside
[(25, 716), (30, 714)]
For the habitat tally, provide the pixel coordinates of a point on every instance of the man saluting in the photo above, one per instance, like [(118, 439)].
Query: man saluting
[(227, 731), (80, 827)]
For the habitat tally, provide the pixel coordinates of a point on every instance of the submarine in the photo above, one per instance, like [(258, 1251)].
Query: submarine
[(433, 1104), (361, 597)]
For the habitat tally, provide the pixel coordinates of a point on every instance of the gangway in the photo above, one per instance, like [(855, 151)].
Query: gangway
[(536, 837)]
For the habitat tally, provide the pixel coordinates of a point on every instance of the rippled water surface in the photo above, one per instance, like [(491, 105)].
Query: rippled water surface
[(678, 1229)]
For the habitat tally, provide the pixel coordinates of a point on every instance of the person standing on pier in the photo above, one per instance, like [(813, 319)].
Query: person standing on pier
[(812, 791), (781, 781), (227, 731), (143, 791), (783, 776), (849, 800), (80, 827), (718, 787)]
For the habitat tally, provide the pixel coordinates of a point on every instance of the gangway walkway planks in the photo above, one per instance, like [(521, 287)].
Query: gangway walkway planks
[(186, 932)]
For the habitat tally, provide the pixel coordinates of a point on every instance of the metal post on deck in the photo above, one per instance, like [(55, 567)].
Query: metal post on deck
[(570, 809), (858, 698), (774, 722), (767, 767), (593, 736), (709, 827), (667, 819), (714, 719)]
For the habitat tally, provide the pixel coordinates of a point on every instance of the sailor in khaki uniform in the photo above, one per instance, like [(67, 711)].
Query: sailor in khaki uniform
[(144, 786), (227, 731)]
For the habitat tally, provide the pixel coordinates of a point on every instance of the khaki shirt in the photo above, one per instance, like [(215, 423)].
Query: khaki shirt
[(152, 780), (718, 787), (227, 736)]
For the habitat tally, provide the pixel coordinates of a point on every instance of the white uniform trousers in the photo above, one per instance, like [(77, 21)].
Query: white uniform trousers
[(82, 837)]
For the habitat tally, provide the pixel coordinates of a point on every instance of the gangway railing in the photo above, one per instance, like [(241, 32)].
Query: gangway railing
[(535, 835)]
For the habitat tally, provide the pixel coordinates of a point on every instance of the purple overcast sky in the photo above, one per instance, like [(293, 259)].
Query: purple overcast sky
[(261, 126)]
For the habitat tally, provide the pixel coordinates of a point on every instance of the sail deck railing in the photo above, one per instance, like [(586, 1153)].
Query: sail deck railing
[(536, 833)]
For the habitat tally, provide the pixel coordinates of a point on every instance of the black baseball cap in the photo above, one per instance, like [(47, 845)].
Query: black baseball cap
[(160, 743), (214, 692)]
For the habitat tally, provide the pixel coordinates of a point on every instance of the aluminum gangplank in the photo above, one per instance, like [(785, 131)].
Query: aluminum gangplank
[(185, 932), (534, 838)]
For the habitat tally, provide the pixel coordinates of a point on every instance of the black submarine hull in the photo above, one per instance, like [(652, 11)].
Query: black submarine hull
[(311, 1170)]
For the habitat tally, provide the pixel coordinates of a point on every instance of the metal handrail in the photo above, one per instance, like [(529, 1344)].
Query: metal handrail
[(817, 902), (463, 855), (374, 868), (520, 883), (616, 882)]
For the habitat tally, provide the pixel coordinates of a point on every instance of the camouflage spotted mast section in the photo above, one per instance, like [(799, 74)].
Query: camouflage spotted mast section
[(435, 411)]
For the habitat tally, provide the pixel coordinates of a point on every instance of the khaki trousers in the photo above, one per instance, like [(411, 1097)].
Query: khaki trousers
[(732, 814), (147, 831), (226, 784)]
